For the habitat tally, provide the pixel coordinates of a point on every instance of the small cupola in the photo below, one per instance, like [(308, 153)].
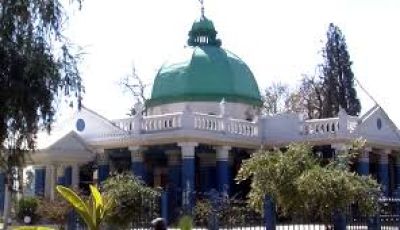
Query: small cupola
[(203, 32)]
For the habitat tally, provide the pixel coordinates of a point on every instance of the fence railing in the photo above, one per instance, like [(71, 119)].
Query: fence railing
[(216, 211)]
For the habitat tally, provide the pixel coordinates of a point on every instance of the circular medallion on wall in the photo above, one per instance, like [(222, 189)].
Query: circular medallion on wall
[(379, 123), (80, 125)]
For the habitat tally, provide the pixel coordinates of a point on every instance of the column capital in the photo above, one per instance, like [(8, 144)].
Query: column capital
[(100, 150), (367, 149), (188, 144), (386, 151), (188, 149), (136, 148), (223, 152), (102, 158)]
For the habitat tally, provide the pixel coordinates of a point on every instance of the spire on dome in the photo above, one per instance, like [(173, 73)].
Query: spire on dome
[(203, 32), (202, 8)]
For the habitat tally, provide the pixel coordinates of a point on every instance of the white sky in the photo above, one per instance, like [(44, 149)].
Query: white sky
[(279, 40)]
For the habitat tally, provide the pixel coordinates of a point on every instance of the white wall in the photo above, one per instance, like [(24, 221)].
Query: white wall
[(233, 110)]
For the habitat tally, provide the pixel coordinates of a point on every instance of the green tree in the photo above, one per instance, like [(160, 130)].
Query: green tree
[(37, 64), (301, 186), (129, 199), (338, 78)]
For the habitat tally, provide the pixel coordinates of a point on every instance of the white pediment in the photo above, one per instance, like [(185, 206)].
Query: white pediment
[(376, 126), (69, 148)]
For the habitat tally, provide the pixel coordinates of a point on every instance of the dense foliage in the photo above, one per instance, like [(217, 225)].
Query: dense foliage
[(37, 64), (54, 211), (129, 199), (300, 185), (27, 206)]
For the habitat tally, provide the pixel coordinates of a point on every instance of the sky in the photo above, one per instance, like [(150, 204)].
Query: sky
[(279, 40)]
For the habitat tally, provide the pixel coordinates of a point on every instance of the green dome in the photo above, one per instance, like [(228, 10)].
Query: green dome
[(205, 72)]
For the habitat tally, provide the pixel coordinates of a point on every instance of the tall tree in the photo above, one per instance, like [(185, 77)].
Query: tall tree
[(136, 86), (36, 66), (338, 78), (274, 98)]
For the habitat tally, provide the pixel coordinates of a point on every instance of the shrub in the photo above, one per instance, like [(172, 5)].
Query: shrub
[(130, 200), (55, 211), (27, 206)]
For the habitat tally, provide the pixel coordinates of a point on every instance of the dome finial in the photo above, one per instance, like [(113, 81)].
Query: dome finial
[(202, 8)]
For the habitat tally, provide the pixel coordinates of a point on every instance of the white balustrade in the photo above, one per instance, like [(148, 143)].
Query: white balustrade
[(152, 123), (208, 122), (321, 126), (242, 127), (162, 122), (124, 124)]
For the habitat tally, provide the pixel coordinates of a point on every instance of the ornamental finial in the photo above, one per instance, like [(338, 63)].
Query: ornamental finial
[(202, 8)]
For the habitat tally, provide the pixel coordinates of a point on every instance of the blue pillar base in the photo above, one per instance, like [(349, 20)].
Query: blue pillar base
[(339, 221), (103, 172), (223, 176), (188, 185), (383, 178), (269, 213), (139, 170)]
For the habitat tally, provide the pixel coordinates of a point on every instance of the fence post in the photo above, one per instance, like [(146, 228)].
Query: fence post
[(269, 213), (164, 206), (373, 223), (213, 218), (339, 221)]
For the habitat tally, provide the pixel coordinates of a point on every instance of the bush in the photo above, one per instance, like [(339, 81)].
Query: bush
[(131, 200), (27, 206), (55, 211)]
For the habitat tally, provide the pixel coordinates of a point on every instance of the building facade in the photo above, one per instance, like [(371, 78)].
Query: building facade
[(202, 120)]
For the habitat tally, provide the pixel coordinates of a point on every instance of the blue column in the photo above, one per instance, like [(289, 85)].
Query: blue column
[(383, 173), (397, 175), (2, 191), (363, 163), (40, 176), (174, 183), (339, 221), (188, 174), (269, 213), (137, 163), (68, 176), (103, 172), (223, 169), (164, 206)]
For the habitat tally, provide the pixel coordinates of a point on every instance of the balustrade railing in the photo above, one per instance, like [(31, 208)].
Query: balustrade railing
[(242, 127), (124, 124), (162, 122), (200, 121), (208, 122), (321, 126)]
